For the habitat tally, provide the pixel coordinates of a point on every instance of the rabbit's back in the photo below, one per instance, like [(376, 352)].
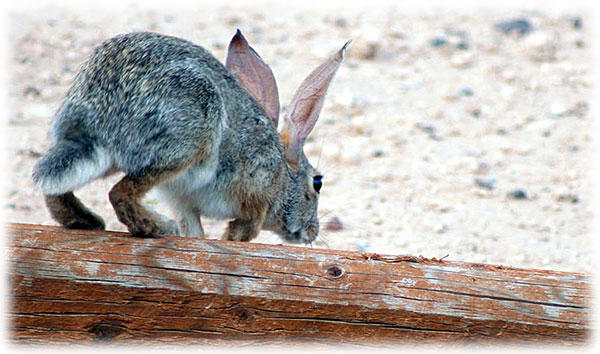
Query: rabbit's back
[(152, 101), (126, 64)]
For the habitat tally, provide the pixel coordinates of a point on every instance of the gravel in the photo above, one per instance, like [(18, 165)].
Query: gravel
[(405, 131)]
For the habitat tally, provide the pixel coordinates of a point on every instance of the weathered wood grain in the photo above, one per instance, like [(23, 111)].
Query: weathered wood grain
[(68, 285)]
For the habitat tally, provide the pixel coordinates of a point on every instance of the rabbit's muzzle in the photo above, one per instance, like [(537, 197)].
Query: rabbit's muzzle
[(306, 234)]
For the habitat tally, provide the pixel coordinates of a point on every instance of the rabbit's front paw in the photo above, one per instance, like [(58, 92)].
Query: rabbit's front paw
[(156, 228), (169, 227)]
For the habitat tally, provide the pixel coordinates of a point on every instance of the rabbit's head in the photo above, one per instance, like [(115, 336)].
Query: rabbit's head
[(294, 215)]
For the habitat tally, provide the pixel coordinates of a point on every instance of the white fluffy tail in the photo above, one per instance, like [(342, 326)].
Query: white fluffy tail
[(70, 165)]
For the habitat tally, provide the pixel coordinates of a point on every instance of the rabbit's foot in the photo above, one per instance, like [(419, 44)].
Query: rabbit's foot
[(244, 230), (155, 227), (241, 230), (68, 210), (168, 227), (89, 221), (140, 221), (191, 225)]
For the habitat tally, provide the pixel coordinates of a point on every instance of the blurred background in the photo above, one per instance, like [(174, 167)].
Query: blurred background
[(459, 131)]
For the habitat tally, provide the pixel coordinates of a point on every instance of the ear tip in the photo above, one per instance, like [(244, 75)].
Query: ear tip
[(346, 45), (238, 36)]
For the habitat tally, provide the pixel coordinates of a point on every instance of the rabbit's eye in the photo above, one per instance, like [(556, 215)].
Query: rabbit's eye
[(317, 183)]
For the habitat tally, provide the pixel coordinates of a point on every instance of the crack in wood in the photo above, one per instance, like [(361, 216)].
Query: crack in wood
[(368, 323), (500, 298), (174, 289)]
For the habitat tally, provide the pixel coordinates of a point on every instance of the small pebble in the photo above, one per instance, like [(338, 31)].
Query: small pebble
[(474, 111), (31, 91), (29, 153), (459, 39), (465, 91), (365, 50), (463, 45), (438, 42), (501, 131), (558, 109), (427, 128), (440, 228), (450, 39), (542, 46), (398, 34), (462, 60), (482, 169), (368, 43), (19, 207), (573, 198), (378, 153), (580, 109), (486, 183), (334, 224), (519, 26), (341, 22), (518, 194), (576, 22)]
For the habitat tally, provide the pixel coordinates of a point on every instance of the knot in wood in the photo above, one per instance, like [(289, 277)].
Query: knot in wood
[(106, 332), (335, 271), (245, 315)]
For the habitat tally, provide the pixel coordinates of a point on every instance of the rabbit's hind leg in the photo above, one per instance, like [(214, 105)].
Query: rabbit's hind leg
[(126, 198), (68, 210)]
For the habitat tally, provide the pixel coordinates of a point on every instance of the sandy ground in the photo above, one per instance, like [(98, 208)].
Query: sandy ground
[(433, 120)]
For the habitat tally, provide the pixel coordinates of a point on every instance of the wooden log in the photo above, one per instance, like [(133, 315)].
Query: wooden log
[(86, 286)]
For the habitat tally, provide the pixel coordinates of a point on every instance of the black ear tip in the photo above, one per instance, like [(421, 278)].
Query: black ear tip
[(343, 50), (238, 34), (238, 39)]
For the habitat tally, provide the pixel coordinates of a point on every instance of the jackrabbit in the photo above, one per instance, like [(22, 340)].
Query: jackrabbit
[(169, 115)]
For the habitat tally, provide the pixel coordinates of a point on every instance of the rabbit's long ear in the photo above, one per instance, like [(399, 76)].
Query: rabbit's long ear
[(306, 106), (253, 74)]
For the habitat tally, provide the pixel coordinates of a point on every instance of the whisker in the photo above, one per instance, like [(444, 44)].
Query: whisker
[(330, 169), (325, 214), (321, 239), (320, 153)]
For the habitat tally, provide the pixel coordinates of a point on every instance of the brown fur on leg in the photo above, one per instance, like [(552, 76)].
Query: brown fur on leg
[(245, 230), (126, 197), (68, 210)]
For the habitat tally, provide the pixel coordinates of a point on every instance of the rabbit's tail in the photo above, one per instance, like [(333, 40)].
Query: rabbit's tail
[(70, 165)]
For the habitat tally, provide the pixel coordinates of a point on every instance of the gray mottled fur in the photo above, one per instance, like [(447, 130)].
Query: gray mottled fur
[(146, 103)]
